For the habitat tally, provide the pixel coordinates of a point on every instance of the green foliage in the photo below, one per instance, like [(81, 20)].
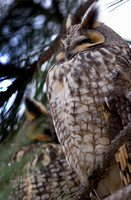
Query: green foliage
[(27, 30)]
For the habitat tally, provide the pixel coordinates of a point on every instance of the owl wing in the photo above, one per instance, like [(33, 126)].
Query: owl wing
[(119, 115), (45, 173), (43, 170), (76, 91), (87, 82)]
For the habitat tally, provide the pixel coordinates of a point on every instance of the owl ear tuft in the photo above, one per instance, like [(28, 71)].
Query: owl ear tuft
[(68, 22), (90, 18), (33, 108)]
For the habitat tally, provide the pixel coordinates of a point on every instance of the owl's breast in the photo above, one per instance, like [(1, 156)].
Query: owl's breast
[(76, 94)]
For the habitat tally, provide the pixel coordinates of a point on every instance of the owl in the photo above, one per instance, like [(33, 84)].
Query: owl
[(89, 92), (43, 170)]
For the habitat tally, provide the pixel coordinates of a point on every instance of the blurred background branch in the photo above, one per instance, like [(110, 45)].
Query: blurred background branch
[(30, 36), (27, 31)]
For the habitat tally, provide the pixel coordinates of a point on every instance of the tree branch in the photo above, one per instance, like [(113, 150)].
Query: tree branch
[(28, 73), (123, 194), (19, 83), (123, 136), (10, 71), (52, 49)]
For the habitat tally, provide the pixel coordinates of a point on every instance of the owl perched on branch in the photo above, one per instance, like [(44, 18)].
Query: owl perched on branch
[(89, 92)]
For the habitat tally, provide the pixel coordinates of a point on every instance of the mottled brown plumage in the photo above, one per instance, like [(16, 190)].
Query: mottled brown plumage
[(89, 91), (44, 172)]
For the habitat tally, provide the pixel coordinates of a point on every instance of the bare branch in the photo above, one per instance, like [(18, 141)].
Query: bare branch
[(123, 194), (52, 49), (123, 136)]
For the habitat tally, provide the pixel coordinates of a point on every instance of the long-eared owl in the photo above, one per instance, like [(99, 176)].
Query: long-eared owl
[(89, 92), (43, 170)]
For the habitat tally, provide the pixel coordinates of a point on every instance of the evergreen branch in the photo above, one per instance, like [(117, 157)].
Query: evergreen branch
[(19, 83), (10, 71), (27, 74)]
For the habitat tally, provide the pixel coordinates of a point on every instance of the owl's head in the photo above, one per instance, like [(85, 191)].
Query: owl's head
[(40, 126), (88, 34)]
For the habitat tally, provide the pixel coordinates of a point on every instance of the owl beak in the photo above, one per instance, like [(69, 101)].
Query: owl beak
[(68, 53)]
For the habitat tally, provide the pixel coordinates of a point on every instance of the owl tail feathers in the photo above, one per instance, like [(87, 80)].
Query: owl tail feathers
[(124, 163)]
